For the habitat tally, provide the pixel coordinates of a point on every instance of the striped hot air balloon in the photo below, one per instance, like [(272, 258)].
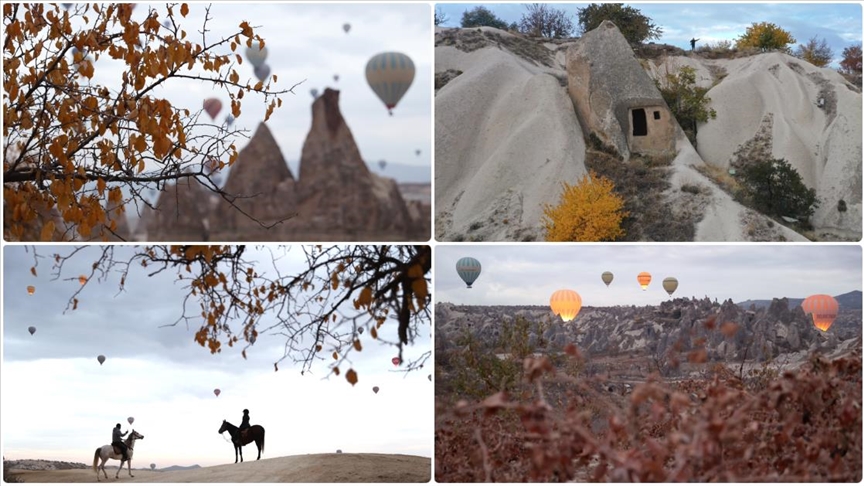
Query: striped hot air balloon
[(468, 269), (566, 303), (390, 74), (823, 308), (644, 279)]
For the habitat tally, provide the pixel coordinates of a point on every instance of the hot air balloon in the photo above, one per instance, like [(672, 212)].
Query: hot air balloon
[(346, 27), (212, 106), (336, 78), (313, 92), (823, 308), (31, 289), (100, 358), (607, 278), (670, 284), (644, 279), (375, 389), (262, 72), (217, 392), (430, 377), (82, 279), (256, 54), (130, 420), (152, 465), (396, 361), (382, 163), (468, 269), (390, 74), (166, 23), (417, 152), (66, 6), (32, 330), (565, 303), (229, 120)]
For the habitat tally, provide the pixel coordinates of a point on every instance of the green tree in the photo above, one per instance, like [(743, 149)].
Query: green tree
[(776, 188), (635, 27), (765, 36), (816, 52), (543, 20), (80, 151), (331, 308), (687, 101), (482, 17), (587, 211)]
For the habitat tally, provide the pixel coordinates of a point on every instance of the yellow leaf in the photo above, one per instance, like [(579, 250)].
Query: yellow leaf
[(351, 376)]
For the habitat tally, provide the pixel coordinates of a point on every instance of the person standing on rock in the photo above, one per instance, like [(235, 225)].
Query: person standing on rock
[(117, 441), (693, 44)]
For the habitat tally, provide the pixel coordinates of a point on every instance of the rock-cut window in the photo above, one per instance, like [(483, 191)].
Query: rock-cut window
[(640, 124)]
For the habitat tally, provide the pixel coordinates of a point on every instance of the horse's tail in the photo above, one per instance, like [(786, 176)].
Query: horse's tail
[(96, 457), (262, 440)]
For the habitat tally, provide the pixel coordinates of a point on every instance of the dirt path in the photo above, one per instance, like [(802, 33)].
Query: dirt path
[(312, 468)]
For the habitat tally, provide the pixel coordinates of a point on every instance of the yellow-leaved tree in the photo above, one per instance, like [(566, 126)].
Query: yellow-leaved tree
[(765, 36), (587, 211), (86, 131), (336, 302)]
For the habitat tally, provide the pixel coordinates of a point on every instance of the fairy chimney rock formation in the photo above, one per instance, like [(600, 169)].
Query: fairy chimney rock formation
[(614, 97), (260, 185), (336, 188), (181, 213)]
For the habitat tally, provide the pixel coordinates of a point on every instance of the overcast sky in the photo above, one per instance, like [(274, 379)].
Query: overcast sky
[(839, 24), (529, 274), (306, 43), (58, 403)]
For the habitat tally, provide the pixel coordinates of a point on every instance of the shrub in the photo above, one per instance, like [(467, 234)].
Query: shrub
[(482, 17), (545, 21), (775, 188), (587, 211), (635, 27), (815, 52), (688, 102), (765, 36)]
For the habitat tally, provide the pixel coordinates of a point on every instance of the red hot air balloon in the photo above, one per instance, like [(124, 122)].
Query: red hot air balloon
[(212, 106), (217, 392), (396, 361)]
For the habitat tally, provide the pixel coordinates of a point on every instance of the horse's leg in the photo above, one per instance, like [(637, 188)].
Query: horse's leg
[(235, 453), (129, 466), (117, 476), (240, 448), (104, 461)]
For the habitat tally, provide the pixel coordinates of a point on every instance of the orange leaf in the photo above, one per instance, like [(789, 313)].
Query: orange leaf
[(351, 376), (184, 10), (47, 231)]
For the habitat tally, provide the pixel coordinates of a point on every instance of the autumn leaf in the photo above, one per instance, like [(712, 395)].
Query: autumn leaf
[(357, 345), (351, 376), (184, 10)]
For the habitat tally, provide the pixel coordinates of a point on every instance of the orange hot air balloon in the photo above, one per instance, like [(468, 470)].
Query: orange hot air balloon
[(823, 308), (82, 279), (566, 303), (396, 361), (644, 279), (31, 289)]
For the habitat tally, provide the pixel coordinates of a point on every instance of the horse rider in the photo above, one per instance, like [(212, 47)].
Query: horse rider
[(245, 423), (117, 441)]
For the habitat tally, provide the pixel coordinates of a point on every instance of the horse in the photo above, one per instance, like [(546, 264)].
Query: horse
[(107, 452), (256, 433)]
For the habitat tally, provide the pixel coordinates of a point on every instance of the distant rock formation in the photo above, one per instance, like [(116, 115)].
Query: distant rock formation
[(614, 98), (335, 197)]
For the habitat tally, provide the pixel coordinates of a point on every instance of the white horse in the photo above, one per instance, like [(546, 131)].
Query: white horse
[(107, 452)]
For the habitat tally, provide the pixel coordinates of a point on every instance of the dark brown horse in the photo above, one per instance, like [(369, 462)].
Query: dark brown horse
[(256, 433)]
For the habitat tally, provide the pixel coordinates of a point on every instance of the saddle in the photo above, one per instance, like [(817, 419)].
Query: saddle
[(116, 449)]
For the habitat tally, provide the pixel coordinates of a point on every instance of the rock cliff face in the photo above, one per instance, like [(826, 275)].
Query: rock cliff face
[(680, 324), (335, 197)]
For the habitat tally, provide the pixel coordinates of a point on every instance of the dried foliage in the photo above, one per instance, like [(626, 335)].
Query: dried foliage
[(544, 20), (322, 311), (816, 52), (76, 149), (587, 211), (802, 425)]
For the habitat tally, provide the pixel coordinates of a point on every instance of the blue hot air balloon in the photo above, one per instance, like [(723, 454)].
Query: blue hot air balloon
[(468, 269)]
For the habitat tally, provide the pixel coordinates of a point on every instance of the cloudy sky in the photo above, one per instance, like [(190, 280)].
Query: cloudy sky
[(59, 403), (529, 274), (839, 24), (306, 44)]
